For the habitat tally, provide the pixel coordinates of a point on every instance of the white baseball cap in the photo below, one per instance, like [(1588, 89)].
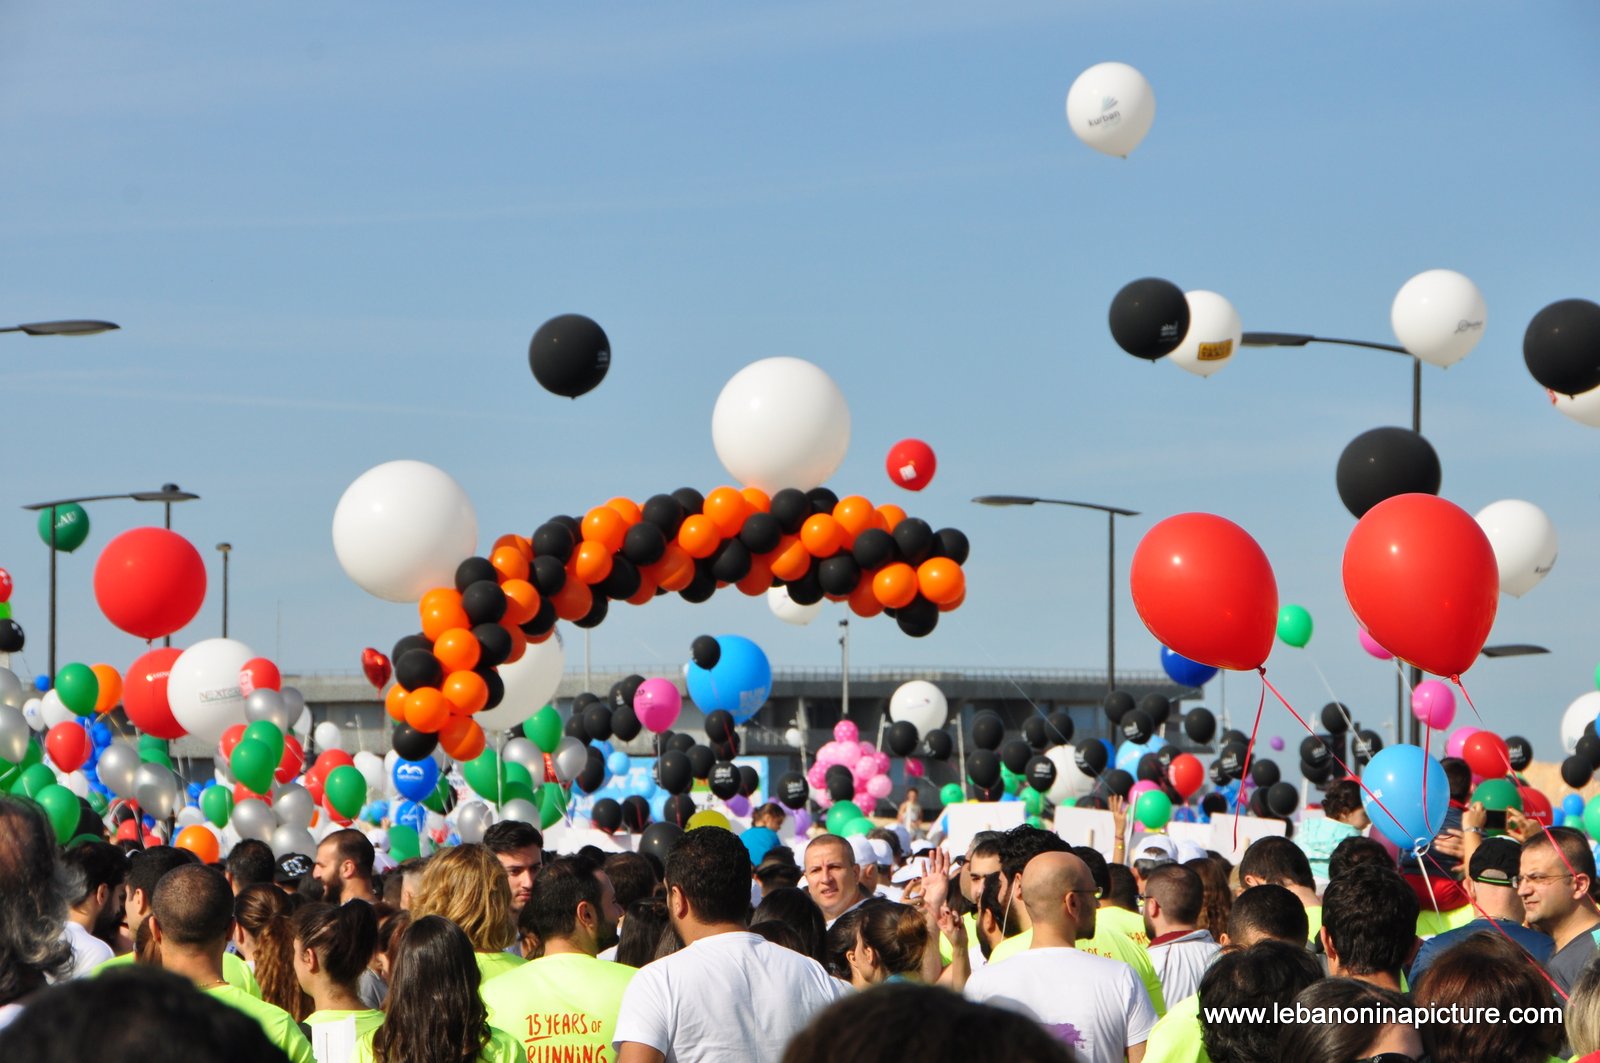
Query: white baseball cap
[(861, 850), (1155, 847)]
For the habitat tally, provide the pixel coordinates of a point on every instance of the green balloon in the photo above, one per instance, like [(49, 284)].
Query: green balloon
[(72, 526), (35, 753), (1294, 625), (1591, 817), (34, 777), (403, 842), (345, 789), (61, 805), (270, 735), (516, 773), (1497, 795), (840, 814), (1032, 801), (158, 756), (950, 794), (1010, 780), (552, 804), (152, 742), (1070, 802), (1153, 809), (5, 610), (514, 790), (440, 799), (486, 775), (78, 688), (858, 826), (252, 763), (217, 803), (544, 730), (1035, 821), (98, 802)]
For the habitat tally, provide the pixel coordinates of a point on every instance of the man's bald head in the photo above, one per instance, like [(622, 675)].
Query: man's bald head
[(193, 906), (1048, 882)]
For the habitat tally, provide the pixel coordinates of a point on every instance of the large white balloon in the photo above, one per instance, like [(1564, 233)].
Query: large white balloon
[(328, 736), (530, 683), (1070, 780), (781, 422), (1583, 407), (52, 712), (1111, 107), (921, 704), (203, 688), (1214, 334), (1581, 713), (402, 528), (790, 611), (1438, 316), (1524, 543), (370, 765)]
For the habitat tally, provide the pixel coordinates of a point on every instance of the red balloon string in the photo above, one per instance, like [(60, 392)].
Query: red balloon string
[(1456, 679), (1249, 750)]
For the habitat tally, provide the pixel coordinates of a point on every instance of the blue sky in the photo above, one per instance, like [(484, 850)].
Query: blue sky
[(329, 231)]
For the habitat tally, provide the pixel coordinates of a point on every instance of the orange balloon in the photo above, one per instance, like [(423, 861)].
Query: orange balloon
[(534, 640), (790, 560), (519, 643), (573, 601), (821, 535), (759, 580), (591, 562), (627, 509), (520, 543), (675, 570), (646, 591), (895, 585), (438, 597), (854, 515), (395, 702), (457, 649), (891, 514), (950, 607), (110, 687), (698, 536), (466, 692), (605, 526), (758, 499), (941, 580), (727, 509), (426, 709), (441, 614), (522, 600), (462, 738), (199, 841), (509, 562), (863, 602)]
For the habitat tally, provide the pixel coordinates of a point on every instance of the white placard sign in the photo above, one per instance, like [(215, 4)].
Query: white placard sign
[(1250, 828), (1199, 833), (1092, 827), (961, 822)]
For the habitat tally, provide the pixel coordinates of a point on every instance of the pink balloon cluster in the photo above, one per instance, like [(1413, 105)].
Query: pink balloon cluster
[(869, 768)]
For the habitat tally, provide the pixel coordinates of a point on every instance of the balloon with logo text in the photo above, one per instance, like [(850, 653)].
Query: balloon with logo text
[(1393, 796)]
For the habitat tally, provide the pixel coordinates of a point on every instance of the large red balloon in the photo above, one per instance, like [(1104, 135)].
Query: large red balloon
[(911, 464), (1421, 577), (68, 745), (144, 694), (149, 582), (1187, 774), (1205, 590)]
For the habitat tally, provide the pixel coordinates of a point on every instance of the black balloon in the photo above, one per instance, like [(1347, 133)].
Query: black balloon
[(1117, 781), (727, 750), (988, 793), (496, 686), (644, 543), (635, 812), (681, 742), (573, 728), (418, 668), (701, 588), (1157, 707), (988, 730), (1150, 769), (822, 500), (1385, 462), (1219, 774), (939, 744), (583, 700), (412, 744), (1576, 772), (1232, 758), (475, 570), (902, 738), (1149, 318), (952, 543), (410, 642), (494, 644), (840, 783), (807, 590), (663, 511), (1233, 734), (791, 507), (553, 539), (623, 581), (593, 774), (1314, 752), (1036, 732), (1041, 773), (606, 814), (1200, 725), (749, 781), (761, 533), (1136, 726), (874, 548), (12, 638), (677, 810), (1562, 346), (1118, 703), (1091, 757), (1521, 751), (1317, 774), (793, 790), (706, 651), (918, 619), (731, 562), (548, 575), (569, 355), (630, 687), (1264, 772), (983, 767), (1335, 718), (1015, 755), (701, 761), (723, 780), (1365, 746), (914, 539), (672, 772), (691, 500), (625, 724), (597, 721), (1213, 804), (1588, 748), (838, 575), (598, 608), (1258, 803), (1060, 729), (719, 725)]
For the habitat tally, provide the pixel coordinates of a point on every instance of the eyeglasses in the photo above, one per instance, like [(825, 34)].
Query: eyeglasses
[(1536, 880), (1095, 891)]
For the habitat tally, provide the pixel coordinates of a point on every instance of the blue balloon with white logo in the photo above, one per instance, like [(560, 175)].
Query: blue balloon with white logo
[(415, 779), (412, 814), (740, 683), (1185, 672)]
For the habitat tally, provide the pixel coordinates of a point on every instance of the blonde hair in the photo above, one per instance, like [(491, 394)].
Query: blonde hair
[(467, 886)]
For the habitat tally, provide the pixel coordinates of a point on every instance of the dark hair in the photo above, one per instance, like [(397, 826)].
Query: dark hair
[(896, 932), (779, 934), (642, 928), (193, 906), (561, 885), (1573, 845), (250, 861), (906, 1021), (512, 834), (1218, 899), (343, 937), (1370, 916), (352, 845), (135, 1012), (1340, 1041), (1179, 891), (632, 877), (1021, 844), (1485, 971), (146, 867), (433, 1013), (1341, 798), (1277, 860), (1358, 850), (1099, 870), (711, 867), (94, 864), (841, 940), (1268, 912), (263, 911), (1124, 891), (793, 906), (391, 927), (33, 904), (892, 840), (1270, 973), (1460, 775), (985, 843)]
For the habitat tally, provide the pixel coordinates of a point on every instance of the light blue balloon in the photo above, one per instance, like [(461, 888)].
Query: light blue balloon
[(618, 763), (415, 779), (740, 683), (1128, 754), (1395, 778), (605, 748)]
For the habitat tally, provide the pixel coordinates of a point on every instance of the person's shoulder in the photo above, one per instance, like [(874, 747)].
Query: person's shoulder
[(502, 1048)]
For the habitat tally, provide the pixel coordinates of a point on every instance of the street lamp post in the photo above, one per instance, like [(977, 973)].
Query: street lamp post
[(225, 549), (1112, 513), (1300, 339), (62, 328)]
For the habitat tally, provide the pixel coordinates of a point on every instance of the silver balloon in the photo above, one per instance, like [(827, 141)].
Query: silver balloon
[(267, 705), (11, 693), (287, 839), (520, 810), (118, 764), (570, 757), (294, 806), (253, 819), (294, 703), (156, 788), (521, 751), (472, 819), (14, 735), (190, 816)]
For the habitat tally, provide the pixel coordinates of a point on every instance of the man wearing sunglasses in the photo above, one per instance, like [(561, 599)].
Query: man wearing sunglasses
[(1554, 889)]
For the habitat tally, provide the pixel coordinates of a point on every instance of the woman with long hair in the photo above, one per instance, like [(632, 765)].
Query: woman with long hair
[(332, 947), (434, 1013), (466, 885), (642, 932), (890, 941), (265, 938), (1217, 901)]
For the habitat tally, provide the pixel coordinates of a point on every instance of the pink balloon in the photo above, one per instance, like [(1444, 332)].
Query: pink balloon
[(915, 769), (866, 747), (823, 799), (1140, 787), (879, 786), (657, 703), (1434, 703), (845, 731), (818, 775), (1276, 743), (1369, 644), (1458, 739)]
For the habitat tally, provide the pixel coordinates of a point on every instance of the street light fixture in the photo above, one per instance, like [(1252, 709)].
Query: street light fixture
[(1300, 339), (225, 549), (63, 328), (1112, 513), (1514, 649)]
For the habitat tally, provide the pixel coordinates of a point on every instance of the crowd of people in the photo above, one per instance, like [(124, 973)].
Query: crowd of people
[(1320, 947)]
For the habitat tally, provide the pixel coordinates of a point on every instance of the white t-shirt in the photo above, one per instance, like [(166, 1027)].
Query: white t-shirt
[(1182, 962), (1096, 1006), (729, 997), (88, 951)]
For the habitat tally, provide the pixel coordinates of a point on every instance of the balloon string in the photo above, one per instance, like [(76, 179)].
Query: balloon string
[(1456, 679), (1427, 880), (1349, 724), (1249, 751), (1427, 745)]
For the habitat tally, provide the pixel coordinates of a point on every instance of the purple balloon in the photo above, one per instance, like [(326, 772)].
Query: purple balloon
[(1276, 743), (739, 805)]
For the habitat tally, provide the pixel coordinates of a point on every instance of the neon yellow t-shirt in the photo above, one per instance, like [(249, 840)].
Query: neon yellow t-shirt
[(1176, 1037), (502, 1048), (1313, 923), (1107, 942), (235, 971), (1431, 923), (1130, 924), (558, 1004), (366, 1020), (492, 965), (277, 1024), (970, 921)]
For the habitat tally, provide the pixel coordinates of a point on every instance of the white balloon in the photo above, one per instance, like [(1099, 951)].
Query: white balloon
[(33, 712), (203, 688), (793, 737), (328, 736), (370, 765), (569, 758), (781, 422), (1214, 334), (1582, 712), (1111, 107), (1070, 780), (472, 819), (1524, 543), (78, 783), (1438, 316), (1583, 407), (190, 816), (790, 611), (920, 703), (402, 528), (12, 696), (52, 712), (530, 683)]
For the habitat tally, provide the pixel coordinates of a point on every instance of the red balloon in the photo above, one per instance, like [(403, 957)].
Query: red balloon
[(329, 759), (1536, 805), (1205, 590), (230, 738), (259, 673), (911, 464), (1422, 579), (144, 694), (241, 792), (294, 759), (313, 782), (5, 585), (1486, 754), (149, 582), (68, 745), (377, 667), (1187, 774)]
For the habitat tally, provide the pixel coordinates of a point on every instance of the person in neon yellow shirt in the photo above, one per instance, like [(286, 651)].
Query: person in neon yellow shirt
[(435, 1007), (564, 1004), (467, 885), (191, 916), (332, 947)]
